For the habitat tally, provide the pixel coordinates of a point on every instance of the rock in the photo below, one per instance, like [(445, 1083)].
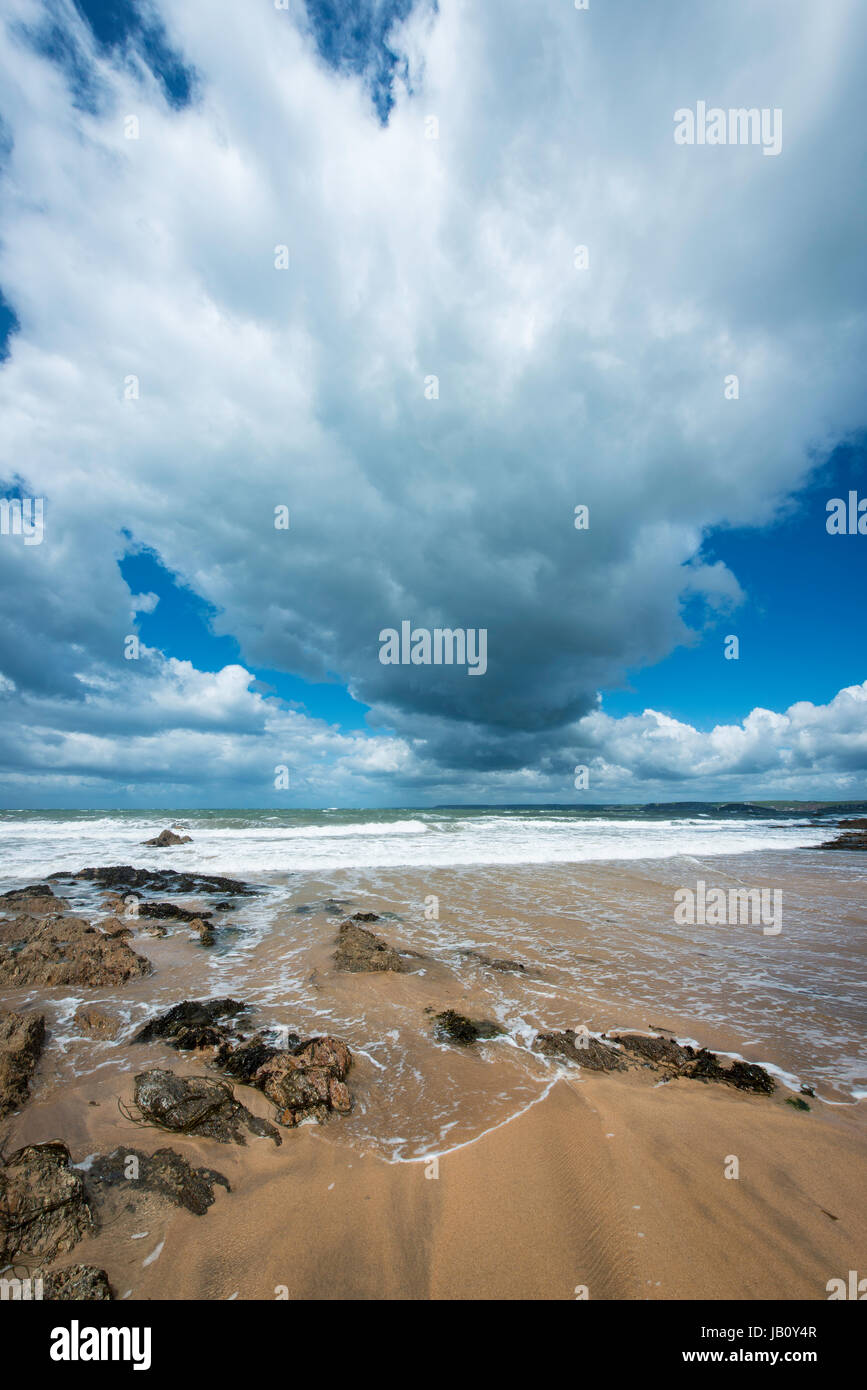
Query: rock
[(309, 1082), (165, 1173), (496, 962), (37, 900), (358, 950), (206, 936), (365, 917), (658, 1051), (113, 926), (303, 1079), (44, 1206), (95, 1021), (333, 906), (699, 1065), (155, 929), (453, 1027), (21, 1040), (746, 1076), (77, 1283), (853, 837), (168, 837), (325, 1051), (242, 1060), (125, 878), (67, 951), (198, 1105), (584, 1049), (223, 907), (171, 910), (193, 1023), (16, 896)]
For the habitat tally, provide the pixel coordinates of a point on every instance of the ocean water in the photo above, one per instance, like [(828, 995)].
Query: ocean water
[(265, 843), (583, 897)]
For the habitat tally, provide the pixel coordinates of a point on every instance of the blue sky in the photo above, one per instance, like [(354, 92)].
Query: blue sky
[(182, 626), (324, 257), (801, 628)]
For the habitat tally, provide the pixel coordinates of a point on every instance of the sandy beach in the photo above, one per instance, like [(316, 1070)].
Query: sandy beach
[(488, 1170), (606, 1183)]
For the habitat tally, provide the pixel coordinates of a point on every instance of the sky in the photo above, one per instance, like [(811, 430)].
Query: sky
[(324, 258)]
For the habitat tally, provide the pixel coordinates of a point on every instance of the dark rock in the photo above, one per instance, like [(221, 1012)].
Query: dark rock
[(125, 878), (171, 911), (242, 1060), (853, 837), (21, 1041), (325, 1051), (199, 1105), (746, 1076), (15, 896), (303, 1079), (700, 1065), (113, 926), (76, 1283), (359, 950), (97, 1022), (658, 1051), (334, 906), (453, 1027), (581, 1048), (206, 936), (192, 1023), (365, 917), (501, 963), (37, 900), (221, 907), (168, 837), (165, 1172), (61, 950), (44, 1206), (309, 1082)]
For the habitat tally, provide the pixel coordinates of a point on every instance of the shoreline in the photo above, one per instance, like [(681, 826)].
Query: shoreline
[(475, 1113)]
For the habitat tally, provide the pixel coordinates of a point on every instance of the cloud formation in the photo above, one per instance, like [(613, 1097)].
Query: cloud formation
[(176, 735), (170, 385)]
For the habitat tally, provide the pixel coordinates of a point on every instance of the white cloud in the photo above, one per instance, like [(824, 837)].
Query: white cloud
[(154, 259), (144, 603), (197, 737)]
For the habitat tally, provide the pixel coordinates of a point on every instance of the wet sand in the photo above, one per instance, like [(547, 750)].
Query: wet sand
[(610, 1183), (488, 1171)]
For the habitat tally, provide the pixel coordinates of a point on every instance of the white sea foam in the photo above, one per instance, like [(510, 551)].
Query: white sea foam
[(249, 844)]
